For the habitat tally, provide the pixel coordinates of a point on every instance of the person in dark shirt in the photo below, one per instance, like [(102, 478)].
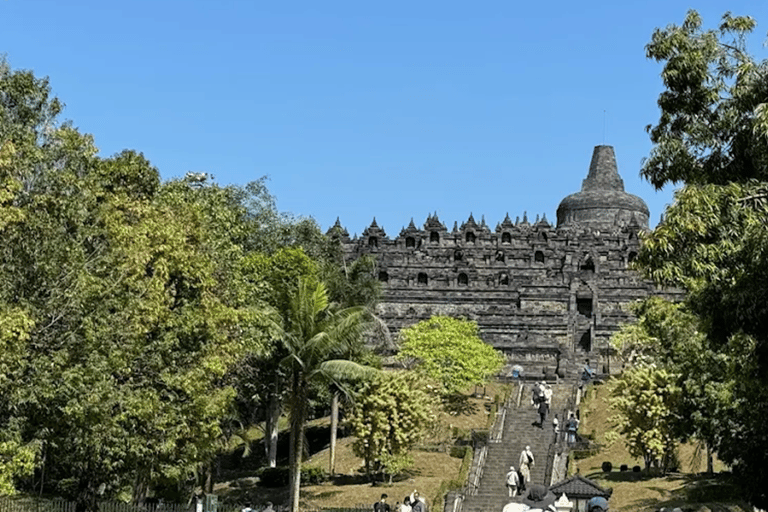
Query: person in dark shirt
[(587, 374), (381, 505)]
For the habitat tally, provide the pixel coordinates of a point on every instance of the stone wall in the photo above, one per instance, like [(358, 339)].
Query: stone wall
[(533, 289)]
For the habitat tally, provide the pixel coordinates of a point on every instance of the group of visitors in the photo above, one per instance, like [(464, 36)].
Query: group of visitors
[(412, 503), (518, 480), (542, 399), (540, 499)]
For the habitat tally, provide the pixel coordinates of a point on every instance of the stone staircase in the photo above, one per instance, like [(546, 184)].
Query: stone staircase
[(518, 431)]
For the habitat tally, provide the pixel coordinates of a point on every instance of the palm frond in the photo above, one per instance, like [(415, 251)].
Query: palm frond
[(342, 369)]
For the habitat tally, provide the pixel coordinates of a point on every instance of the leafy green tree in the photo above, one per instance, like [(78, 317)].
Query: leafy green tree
[(666, 336), (390, 415), (18, 457), (712, 136), (450, 352), (714, 119), (261, 381), (317, 337), (122, 305), (662, 331), (352, 284), (124, 381), (645, 398), (28, 118)]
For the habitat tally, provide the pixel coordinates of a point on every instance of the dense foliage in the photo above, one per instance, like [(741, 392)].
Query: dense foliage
[(449, 351), (390, 415), (713, 137), (133, 311), (645, 399)]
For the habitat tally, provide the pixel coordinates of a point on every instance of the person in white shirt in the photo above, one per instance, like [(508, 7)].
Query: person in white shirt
[(513, 482), (526, 461)]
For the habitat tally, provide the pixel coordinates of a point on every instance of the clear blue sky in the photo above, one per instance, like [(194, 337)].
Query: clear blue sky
[(359, 109)]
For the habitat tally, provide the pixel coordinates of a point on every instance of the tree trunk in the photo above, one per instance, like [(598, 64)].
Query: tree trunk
[(710, 464), (298, 412), (42, 471), (139, 493), (334, 428), (209, 478), (273, 418)]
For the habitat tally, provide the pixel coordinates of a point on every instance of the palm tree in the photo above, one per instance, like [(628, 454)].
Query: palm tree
[(316, 335)]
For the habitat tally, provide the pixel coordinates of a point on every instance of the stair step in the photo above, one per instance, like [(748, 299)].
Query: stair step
[(517, 432)]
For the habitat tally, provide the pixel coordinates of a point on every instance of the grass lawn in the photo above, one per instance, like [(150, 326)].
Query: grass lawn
[(350, 487)]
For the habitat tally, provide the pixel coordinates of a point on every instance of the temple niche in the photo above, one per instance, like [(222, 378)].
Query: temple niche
[(540, 293)]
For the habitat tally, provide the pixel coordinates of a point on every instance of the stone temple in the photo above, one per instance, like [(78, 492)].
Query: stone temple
[(539, 292)]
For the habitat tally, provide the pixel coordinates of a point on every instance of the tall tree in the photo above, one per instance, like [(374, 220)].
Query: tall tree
[(316, 335), (390, 415), (713, 137), (262, 381), (645, 398), (666, 336)]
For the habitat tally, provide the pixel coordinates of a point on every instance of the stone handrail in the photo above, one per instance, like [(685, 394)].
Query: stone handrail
[(476, 471)]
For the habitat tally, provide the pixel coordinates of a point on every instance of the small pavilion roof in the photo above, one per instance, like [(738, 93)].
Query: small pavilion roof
[(579, 487)]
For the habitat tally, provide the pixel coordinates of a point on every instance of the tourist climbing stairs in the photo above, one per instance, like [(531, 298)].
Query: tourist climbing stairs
[(520, 429)]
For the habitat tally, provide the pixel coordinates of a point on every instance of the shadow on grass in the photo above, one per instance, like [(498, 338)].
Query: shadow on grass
[(361, 479), (622, 476), (713, 488), (253, 495), (459, 404), (357, 479), (714, 491), (324, 494)]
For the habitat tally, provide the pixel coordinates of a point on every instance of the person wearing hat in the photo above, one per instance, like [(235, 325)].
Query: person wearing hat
[(597, 504), (513, 482), (540, 498)]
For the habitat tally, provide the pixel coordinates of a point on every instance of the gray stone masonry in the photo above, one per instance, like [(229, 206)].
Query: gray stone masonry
[(547, 296)]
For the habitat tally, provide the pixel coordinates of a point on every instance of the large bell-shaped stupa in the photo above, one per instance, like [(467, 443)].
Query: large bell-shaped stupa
[(602, 203)]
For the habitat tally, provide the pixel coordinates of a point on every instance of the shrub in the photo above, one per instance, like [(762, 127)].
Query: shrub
[(438, 502), (278, 477), (607, 467), (313, 475), (492, 416), (479, 436), (636, 469), (274, 477), (461, 435), (583, 454), (459, 452), (465, 464), (624, 467)]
